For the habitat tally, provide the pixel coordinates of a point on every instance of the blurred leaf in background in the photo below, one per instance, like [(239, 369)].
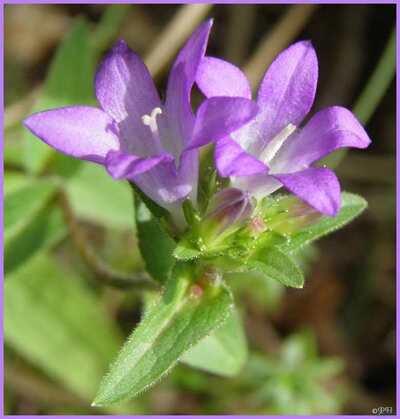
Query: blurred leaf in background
[(297, 381), (69, 82), (55, 321)]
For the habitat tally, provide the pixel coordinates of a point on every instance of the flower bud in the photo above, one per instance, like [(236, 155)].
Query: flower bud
[(228, 211)]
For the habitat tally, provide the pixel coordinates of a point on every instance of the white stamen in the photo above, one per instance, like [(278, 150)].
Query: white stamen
[(151, 120), (276, 143)]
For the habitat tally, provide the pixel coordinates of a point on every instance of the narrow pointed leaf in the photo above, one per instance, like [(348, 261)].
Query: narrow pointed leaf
[(223, 352), (174, 323), (352, 206)]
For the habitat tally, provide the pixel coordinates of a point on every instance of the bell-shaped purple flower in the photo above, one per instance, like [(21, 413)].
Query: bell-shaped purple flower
[(134, 135), (271, 151)]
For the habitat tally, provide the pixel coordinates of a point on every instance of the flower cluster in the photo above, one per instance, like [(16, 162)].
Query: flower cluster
[(260, 146)]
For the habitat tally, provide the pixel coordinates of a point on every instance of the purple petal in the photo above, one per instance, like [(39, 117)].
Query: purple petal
[(177, 107), (188, 171), (219, 116), (232, 160), (163, 184), (318, 187), (328, 130), (287, 91), (79, 131), (176, 123), (258, 186), (124, 166), (217, 77), (158, 177), (125, 90)]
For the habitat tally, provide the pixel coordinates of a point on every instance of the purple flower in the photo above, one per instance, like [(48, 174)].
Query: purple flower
[(134, 135), (271, 151)]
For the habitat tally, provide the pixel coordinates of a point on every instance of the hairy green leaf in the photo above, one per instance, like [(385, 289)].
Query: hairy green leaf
[(276, 265), (174, 323), (223, 352)]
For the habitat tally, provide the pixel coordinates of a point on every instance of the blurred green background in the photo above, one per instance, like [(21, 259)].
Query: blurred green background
[(326, 349)]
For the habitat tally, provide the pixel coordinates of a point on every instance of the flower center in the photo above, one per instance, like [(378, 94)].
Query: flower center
[(151, 122), (276, 143)]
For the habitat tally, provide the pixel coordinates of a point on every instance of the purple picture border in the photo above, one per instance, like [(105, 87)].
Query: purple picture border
[(215, 2)]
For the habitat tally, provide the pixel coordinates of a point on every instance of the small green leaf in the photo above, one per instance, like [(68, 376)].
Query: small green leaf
[(97, 198), (69, 82), (352, 206), (224, 352), (23, 204), (58, 324), (156, 246), (276, 265), (174, 323)]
